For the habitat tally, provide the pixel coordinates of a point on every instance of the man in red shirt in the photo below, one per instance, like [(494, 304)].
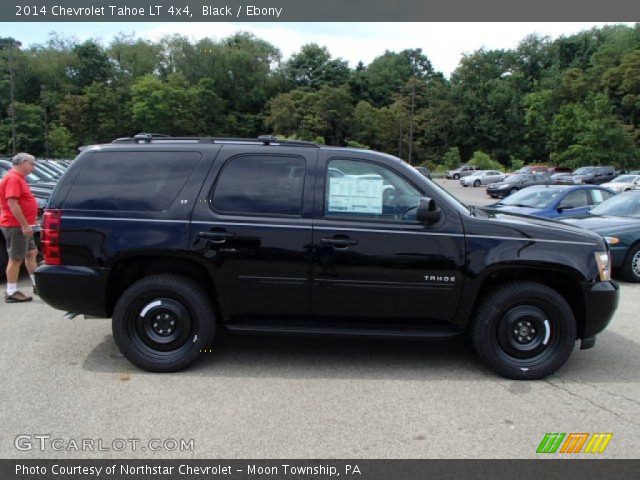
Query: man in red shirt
[(18, 212)]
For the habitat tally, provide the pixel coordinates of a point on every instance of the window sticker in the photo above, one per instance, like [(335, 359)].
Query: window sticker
[(351, 194)]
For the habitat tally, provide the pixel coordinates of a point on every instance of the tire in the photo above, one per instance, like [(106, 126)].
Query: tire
[(510, 312), (456, 177), (476, 183), (142, 326), (631, 266), (512, 191)]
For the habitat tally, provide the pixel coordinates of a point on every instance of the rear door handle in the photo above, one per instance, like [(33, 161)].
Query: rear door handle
[(216, 237), (339, 242)]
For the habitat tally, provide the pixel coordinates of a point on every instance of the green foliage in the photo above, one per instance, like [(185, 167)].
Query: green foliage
[(516, 164), (61, 144), (452, 159), (484, 161), (354, 144), (574, 100)]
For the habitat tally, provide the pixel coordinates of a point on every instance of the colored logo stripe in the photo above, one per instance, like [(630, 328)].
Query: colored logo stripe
[(574, 443), (598, 442), (550, 443)]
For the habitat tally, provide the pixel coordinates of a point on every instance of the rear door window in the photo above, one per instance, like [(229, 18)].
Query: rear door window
[(261, 185), (131, 181)]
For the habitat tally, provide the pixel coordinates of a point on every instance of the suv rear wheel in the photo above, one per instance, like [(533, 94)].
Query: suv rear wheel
[(524, 330), (162, 322)]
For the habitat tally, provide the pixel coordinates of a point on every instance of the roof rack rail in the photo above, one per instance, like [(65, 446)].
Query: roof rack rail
[(161, 138)]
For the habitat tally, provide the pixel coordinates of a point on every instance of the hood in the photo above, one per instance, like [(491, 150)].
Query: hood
[(603, 223), (514, 209), (519, 225)]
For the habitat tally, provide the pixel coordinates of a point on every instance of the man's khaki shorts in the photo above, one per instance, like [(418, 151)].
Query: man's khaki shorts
[(18, 244)]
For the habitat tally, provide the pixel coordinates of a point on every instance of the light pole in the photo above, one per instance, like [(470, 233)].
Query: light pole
[(413, 101), (11, 42)]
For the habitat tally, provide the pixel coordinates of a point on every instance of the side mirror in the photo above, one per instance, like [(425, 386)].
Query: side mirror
[(427, 211), (564, 207)]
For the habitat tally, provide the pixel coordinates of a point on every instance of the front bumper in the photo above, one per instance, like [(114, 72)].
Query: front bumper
[(600, 301), (74, 289)]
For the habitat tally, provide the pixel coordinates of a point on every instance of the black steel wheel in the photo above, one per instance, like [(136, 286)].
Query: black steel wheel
[(631, 266), (162, 322), (524, 330)]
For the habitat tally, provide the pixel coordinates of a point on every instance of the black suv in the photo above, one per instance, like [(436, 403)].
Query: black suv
[(175, 237)]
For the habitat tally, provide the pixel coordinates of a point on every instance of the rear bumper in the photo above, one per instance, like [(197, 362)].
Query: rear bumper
[(600, 300), (74, 289)]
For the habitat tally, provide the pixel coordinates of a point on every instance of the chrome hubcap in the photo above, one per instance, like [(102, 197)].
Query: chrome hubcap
[(635, 264)]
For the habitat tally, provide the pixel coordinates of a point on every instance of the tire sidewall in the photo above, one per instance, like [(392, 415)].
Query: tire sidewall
[(180, 289), (485, 328), (628, 267)]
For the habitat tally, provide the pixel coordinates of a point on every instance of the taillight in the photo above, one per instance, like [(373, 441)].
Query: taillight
[(50, 236)]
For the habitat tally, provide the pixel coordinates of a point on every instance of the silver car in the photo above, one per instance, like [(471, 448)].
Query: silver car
[(461, 171), (623, 183), (482, 177)]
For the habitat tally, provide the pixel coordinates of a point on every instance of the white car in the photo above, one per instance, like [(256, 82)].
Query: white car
[(623, 183), (482, 177)]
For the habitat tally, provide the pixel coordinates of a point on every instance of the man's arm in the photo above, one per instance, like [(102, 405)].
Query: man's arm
[(14, 206)]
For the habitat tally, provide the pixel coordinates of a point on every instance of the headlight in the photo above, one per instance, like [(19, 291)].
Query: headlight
[(604, 265), (612, 240)]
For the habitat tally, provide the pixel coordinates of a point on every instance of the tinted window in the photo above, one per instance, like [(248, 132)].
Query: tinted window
[(131, 181), (575, 199), (369, 191), (260, 185)]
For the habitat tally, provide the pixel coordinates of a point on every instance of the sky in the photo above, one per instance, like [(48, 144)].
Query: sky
[(443, 43)]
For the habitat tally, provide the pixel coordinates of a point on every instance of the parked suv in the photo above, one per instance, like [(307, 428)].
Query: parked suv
[(462, 171), (175, 237), (592, 175)]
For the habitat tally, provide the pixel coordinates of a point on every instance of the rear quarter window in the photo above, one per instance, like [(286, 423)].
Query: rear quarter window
[(131, 181)]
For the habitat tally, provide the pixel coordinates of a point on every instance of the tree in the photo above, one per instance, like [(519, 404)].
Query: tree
[(89, 64), (314, 68), (451, 159), (61, 143)]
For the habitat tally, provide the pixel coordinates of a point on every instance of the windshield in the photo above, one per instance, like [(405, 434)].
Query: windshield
[(624, 179), (583, 171), (622, 205), (533, 198)]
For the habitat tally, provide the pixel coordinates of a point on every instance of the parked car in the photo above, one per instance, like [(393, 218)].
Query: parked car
[(530, 169), (618, 221), (482, 177), (623, 183), (513, 183), (193, 243), (593, 175), (461, 171), (424, 171), (33, 179), (553, 201)]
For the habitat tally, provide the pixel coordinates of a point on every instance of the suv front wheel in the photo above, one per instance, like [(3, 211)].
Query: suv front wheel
[(524, 330), (162, 322)]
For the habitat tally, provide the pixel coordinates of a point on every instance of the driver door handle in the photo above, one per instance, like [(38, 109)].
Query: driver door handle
[(339, 242), (216, 237)]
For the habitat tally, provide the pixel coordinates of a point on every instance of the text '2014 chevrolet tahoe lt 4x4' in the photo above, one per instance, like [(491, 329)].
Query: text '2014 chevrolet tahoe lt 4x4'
[(175, 237)]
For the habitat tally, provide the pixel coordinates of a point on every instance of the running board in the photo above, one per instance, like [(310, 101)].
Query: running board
[(355, 331)]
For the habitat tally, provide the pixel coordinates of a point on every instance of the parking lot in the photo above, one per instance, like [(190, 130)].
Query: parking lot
[(274, 397)]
